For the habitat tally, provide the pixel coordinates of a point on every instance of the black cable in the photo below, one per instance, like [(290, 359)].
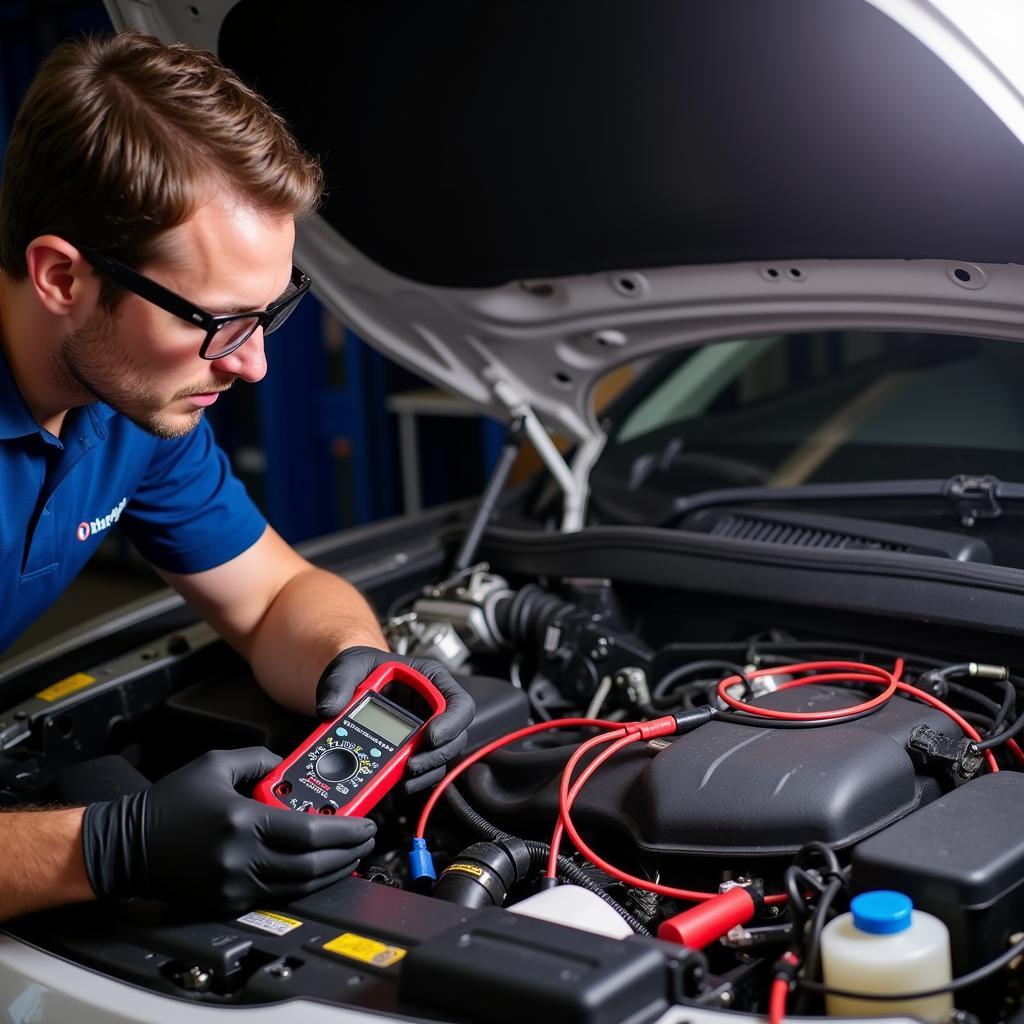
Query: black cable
[(1008, 706), (964, 981), (998, 711), (539, 853), (825, 852), (983, 723), (980, 699), (812, 944), (827, 881), (722, 668), (823, 650), (798, 882), (739, 718), (1008, 733)]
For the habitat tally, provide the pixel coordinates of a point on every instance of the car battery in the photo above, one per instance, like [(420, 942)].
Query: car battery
[(960, 858)]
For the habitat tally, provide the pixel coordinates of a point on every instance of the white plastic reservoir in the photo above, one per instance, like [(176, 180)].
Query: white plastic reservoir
[(883, 945)]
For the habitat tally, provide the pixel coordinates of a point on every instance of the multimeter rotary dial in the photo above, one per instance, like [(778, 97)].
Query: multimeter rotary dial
[(337, 765)]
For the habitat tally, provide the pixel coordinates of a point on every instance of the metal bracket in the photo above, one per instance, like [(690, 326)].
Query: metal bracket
[(573, 480), (974, 497)]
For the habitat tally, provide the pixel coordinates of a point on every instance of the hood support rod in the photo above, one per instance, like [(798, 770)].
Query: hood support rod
[(574, 482)]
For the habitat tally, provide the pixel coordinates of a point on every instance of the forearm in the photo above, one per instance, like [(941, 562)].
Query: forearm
[(314, 616), (41, 862)]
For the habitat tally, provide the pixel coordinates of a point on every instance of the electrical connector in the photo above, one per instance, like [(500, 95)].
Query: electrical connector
[(764, 935), (957, 754), (421, 862), (980, 671), (703, 924), (687, 721)]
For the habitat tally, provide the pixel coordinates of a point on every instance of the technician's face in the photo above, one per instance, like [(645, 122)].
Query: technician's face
[(143, 361)]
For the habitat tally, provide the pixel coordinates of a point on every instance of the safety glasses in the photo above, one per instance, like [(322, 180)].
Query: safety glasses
[(225, 332)]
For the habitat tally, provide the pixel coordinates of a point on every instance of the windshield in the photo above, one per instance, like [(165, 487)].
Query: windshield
[(832, 406)]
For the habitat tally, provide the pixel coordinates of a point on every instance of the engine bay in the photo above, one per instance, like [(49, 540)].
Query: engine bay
[(778, 773)]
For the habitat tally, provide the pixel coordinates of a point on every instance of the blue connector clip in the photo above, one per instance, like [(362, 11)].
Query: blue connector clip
[(421, 862)]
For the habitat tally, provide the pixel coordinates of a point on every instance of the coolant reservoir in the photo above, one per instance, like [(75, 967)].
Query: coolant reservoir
[(883, 945)]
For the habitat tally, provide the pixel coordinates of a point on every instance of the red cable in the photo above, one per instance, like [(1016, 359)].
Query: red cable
[(619, 744), (921, 695), (777, 1001), (568, 794), (859, 674), (621, 736), (780, 987), (835, 671), (557, 723)]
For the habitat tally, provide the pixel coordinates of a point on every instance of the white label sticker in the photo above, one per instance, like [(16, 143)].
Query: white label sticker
[(275, 924)]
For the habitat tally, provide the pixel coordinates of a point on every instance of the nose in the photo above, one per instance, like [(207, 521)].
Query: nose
[(249, 361)]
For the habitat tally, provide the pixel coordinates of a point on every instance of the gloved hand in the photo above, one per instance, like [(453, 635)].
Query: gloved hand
[(193, 838), (445, 735)]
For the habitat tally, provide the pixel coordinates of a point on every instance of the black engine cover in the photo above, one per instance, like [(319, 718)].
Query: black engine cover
[(734, 790)]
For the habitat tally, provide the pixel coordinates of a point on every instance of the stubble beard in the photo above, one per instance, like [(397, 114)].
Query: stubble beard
[(90, 360)]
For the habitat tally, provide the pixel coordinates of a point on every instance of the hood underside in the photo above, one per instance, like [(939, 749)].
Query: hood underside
[(521, 197)]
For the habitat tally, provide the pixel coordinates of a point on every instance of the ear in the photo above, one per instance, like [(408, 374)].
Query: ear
[(61, 277)]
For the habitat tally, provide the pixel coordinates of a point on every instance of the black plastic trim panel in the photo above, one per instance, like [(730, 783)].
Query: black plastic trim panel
[(915, 587)]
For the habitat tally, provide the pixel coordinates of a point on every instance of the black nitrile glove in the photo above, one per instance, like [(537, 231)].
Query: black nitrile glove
[(194, 838), (446, 734)]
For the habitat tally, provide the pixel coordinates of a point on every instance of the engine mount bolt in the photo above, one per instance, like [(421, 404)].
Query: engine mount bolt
[(195, 979)]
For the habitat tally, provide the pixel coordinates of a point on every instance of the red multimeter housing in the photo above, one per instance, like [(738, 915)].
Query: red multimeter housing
[(350, 763)]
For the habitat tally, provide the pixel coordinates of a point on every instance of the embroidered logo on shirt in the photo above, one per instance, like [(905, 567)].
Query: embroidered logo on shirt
[(88, 529)]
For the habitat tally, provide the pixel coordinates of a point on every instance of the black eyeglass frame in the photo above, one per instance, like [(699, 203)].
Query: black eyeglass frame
[(212, 323)]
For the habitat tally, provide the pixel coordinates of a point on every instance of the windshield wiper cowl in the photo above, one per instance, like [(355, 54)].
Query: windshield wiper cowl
[(973, 497)]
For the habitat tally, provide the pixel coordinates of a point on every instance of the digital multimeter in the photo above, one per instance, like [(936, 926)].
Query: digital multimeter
[(350, 763)]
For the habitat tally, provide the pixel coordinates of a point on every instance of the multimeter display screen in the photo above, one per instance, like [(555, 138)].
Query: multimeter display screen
[(381, 720)]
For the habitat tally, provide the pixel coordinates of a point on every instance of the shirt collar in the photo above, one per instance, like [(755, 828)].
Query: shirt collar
[(16, 419)]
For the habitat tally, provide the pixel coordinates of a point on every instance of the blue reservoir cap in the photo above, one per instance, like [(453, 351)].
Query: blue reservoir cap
[(882, 912)]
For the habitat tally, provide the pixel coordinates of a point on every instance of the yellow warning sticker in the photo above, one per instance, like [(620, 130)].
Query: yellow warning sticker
[(467, 869), (365, 950), (79, 681), (268, 921)]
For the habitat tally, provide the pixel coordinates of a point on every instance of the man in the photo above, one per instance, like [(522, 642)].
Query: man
[(146, 230)]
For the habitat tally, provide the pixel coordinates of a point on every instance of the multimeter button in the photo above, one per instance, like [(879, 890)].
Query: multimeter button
[(375, 752), (337, 765), (341, 731)]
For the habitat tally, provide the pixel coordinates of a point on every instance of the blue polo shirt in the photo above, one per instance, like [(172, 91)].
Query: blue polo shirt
[(178, 500)]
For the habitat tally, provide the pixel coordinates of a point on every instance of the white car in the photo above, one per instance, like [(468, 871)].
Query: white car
[(749, 278)]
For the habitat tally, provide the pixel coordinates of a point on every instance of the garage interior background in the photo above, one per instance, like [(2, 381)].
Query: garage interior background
[(317, 442)]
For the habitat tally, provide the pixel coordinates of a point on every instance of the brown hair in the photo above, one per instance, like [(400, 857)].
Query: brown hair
[(120, 137)]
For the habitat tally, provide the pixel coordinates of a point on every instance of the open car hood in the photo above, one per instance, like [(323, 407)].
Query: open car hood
[(521, 198)]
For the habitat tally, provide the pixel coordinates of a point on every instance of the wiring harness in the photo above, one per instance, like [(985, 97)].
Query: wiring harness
[(815, 881)]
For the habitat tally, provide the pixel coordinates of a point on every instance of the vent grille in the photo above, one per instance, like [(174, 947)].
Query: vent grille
[(765, 531)]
